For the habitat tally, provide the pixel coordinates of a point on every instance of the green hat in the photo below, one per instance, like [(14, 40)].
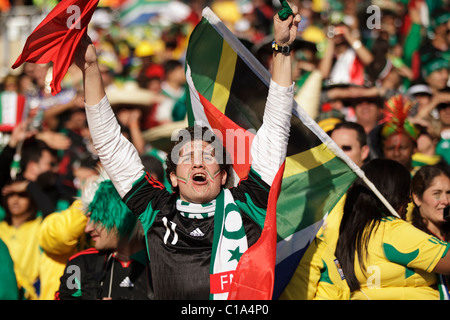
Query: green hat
[(108, 209), (434, 64), (101, 199), (440, 18)]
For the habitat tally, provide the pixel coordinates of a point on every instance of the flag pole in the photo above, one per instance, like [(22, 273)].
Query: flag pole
[(297, 110)]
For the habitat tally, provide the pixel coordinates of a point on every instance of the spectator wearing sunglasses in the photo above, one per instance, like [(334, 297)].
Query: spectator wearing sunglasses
[(352, 139)]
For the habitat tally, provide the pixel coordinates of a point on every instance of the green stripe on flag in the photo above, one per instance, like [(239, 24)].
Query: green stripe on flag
[(205, 60), (308, 196)]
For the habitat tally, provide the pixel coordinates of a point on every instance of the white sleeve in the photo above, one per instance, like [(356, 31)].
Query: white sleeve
[(118, 156), (270, 143)]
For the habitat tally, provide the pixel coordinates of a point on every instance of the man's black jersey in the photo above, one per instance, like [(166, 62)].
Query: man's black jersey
[(180, 248), (93, 275)]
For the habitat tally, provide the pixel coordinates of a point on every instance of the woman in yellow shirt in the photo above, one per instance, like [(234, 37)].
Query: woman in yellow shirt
[(19, 231), (430, 190), (382, 256)]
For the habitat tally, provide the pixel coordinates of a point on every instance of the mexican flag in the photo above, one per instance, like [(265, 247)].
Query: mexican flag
[(227, 90), (12, 108)]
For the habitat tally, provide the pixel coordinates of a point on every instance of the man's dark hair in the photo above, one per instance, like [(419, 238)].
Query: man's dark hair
[(361, 133), (32, 152), (171, 65)]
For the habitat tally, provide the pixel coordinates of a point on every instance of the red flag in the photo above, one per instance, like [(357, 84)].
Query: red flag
[(56, 38), (255, 273)]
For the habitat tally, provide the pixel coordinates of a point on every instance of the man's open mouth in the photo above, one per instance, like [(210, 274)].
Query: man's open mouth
[(199, 177)]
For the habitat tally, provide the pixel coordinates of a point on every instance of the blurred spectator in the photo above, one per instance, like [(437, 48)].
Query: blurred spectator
[(10, 83), (37, 165), (368, 111), (422, 95), (19, 231), (427, 141), (150, 69), (435, 71), (439, 43), (61, 235), (387, 69), (443, 146), (359, 104), (345, 57), (133, 106), (8, 283), (173, 86), (70, 120), (328, 120)]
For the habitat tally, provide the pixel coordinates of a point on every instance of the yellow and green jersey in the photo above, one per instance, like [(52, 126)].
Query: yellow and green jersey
[(400, 263)]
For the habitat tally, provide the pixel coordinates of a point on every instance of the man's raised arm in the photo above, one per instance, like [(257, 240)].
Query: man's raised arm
[(117, 155), (270, 144)]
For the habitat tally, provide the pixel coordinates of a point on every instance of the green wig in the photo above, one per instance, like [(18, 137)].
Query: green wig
[(108, 209)]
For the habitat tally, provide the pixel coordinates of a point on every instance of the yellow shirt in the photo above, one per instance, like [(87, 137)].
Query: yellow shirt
[(24, 250), (61, 236), (317, 277), (400, 263)]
